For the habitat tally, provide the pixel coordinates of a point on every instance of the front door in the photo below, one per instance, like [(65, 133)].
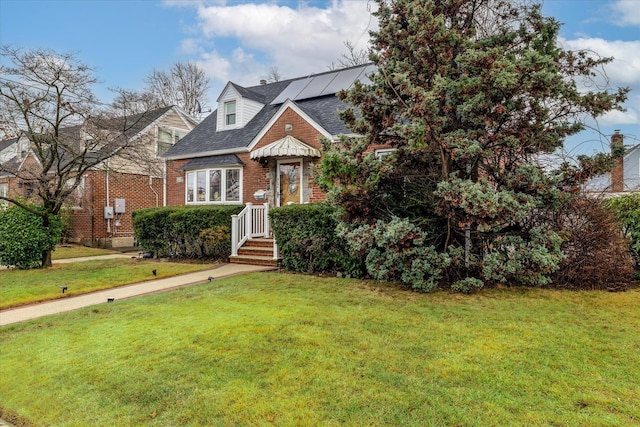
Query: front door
[(289, 182)]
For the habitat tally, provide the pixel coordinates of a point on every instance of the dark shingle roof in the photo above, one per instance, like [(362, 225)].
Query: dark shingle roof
[(204, 139), (7, 143), (211, 161), (135, 123)]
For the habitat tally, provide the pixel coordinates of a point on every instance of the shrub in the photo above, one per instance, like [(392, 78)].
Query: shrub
[(216, 241), (468, 285), (186, 231), (66, 221), (626, 208), (528, 259), (397, 251), (23, 237), (597, 255), (307, 239)]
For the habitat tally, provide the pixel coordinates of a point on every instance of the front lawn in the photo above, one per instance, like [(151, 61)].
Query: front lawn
[(282, 349), (78, 251), (20, 287)]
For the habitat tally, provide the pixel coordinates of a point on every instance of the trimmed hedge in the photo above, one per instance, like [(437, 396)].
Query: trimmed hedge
[(186, 231), (307, 240)]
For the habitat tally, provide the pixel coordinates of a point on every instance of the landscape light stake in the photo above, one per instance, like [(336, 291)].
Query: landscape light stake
[(64, 289)]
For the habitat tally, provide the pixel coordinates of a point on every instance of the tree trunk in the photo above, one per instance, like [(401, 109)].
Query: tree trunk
[(46, 255), (46, 259)]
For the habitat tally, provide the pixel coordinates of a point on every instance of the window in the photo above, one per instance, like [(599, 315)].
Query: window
[(384, 152), (214, 186), (167, 137), (4, 191), (77, 196), (230, 113)]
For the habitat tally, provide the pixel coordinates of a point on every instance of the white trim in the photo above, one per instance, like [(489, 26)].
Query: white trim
[(209, 153), (229, 84), (381, 153), (287, 104), (223, 182)]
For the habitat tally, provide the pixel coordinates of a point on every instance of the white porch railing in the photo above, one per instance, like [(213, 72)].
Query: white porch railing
[(252, 221)]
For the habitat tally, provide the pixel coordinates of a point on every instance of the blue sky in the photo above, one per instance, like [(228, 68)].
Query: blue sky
[(241, 40)]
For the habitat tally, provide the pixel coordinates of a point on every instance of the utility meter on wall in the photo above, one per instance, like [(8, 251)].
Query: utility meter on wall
[(108, 212)]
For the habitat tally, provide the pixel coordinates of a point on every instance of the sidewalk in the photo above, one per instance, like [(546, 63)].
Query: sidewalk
[(20, 314)]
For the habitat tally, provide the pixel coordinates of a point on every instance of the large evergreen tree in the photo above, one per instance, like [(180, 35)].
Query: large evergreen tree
[(469, 92)]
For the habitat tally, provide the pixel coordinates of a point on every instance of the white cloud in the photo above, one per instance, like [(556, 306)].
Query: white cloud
[(624, 70), (627, 12), (216, 66), (618, 118), (297, 41), (189, 46)]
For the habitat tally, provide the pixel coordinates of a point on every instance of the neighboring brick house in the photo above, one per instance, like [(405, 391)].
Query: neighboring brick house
[(625, 175), (102, 205), (260, 144)]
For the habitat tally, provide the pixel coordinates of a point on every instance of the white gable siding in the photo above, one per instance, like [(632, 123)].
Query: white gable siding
[(246, 109), (230, 94), (249, 109), (8, 153), (631, 171)]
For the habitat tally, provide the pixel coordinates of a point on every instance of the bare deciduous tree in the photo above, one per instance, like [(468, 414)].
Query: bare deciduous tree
[(184, 85), (274, 75), (46, 98), (351, 58)]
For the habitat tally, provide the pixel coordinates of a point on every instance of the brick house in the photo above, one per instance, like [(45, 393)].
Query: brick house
[(625, 175), (101, 206), (259, 146)]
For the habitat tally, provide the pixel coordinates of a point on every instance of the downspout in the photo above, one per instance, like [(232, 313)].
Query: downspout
[(153, 190), (164, 183), (106, 180)]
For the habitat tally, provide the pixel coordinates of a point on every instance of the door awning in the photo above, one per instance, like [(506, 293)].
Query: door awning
[(285, 147)]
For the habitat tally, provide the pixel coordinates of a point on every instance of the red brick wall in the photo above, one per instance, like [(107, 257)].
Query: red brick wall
[(257, 176), (138, 191), (175, 183), (617, 173)]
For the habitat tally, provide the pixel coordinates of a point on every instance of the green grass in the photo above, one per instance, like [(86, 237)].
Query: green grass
[(286, 350), (20, 287), (78, 251)]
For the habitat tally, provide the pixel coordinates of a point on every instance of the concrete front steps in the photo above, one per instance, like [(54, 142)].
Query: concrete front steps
[(256, 252)]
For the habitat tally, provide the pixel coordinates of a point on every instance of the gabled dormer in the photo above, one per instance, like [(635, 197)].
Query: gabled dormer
[(237, 106)]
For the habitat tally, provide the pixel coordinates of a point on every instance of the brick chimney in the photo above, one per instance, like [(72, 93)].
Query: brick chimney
[(617, 173)]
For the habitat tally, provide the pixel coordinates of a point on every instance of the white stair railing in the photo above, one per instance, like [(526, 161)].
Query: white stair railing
[(252, 221)]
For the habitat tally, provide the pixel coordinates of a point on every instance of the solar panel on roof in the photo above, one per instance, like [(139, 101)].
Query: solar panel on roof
[(343, 80), (316, 86), (292, 91), (324, 84)]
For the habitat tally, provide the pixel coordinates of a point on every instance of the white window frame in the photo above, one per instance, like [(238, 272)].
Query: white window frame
[(381, 153), (193, 175), (228, 115), (4, 191)]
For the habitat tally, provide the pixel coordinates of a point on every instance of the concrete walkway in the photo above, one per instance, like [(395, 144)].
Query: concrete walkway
[(21, 314), (91, 258)]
